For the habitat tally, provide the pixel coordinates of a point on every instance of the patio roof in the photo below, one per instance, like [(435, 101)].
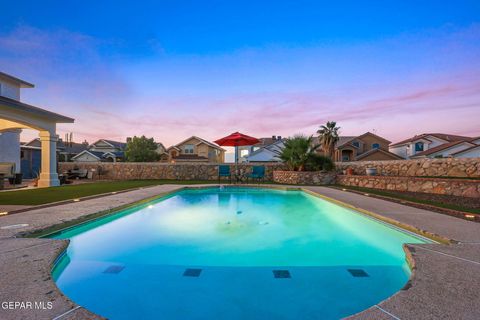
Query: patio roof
[(20, 106)]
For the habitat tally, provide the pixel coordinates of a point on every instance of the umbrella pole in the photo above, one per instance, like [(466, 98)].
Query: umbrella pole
[(236, 159)]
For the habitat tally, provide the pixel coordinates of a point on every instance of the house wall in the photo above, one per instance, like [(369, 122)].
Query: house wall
[(446, 167), (473, 153), (158, 170), (369, 140), (399, 151), (452, 187), (10, 147)]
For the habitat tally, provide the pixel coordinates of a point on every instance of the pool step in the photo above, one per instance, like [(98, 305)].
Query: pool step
[(358, 273), (114, 269), (192, 272)]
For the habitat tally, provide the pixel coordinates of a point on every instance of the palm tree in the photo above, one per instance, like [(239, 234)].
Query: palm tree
[(328, 135), (298, 151)]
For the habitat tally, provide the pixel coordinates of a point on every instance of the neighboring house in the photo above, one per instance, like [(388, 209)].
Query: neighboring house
[(268, 153), (30, 155), (366, 147), (431, 145), (162, 151), (102, 150), (195, 149), (444, 150), (245, 151)]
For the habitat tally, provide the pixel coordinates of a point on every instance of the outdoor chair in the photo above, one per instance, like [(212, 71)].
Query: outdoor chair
[(224, 172), (258, 173)]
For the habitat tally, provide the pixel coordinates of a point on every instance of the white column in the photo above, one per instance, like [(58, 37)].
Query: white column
[(48, 173)]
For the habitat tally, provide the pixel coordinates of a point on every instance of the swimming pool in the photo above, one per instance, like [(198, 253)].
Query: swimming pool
[(236, 253)]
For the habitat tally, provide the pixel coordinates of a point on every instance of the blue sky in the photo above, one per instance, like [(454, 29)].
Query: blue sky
[(170, 69)]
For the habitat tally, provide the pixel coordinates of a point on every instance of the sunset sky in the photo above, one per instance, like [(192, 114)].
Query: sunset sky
[(172, 69)]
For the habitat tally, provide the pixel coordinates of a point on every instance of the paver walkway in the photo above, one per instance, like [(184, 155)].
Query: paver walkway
[(444, 285)]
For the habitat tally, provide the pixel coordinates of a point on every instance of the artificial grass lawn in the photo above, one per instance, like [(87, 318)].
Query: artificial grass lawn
[(47, 195), (399, 196)]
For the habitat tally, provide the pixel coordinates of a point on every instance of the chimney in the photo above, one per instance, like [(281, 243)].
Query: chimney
[(279, 137), (274, 138)]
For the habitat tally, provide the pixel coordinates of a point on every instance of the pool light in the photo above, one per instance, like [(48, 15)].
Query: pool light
[(150, 207)]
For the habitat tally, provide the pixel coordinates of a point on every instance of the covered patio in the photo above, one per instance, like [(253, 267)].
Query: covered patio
[(15, 116)]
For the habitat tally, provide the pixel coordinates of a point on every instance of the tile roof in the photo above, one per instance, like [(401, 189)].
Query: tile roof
[(443, 136), (440, 148), (372, 151)]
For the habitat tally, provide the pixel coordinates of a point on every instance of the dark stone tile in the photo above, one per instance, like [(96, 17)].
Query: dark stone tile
[(192, 272), (281, 274)]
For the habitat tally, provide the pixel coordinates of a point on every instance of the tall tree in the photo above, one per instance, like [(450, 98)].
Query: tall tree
[(328, 135), (141, 149)]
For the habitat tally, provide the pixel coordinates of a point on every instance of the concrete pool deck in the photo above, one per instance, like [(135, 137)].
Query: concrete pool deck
[(444, 283)]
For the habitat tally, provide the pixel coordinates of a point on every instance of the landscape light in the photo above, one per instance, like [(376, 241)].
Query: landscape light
[(150, 207), (4, 213), (76, 200), (470, 216), (344, 189)]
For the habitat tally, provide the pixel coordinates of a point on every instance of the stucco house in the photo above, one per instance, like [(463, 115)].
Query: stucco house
[(267, 153), (15, 116), (365, 147), (195, 149), (102, 150), (431, 145)]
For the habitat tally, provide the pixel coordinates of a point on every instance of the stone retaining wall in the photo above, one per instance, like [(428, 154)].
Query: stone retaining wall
[(304, 177), (157, 170), (447, 167), (454, 187)]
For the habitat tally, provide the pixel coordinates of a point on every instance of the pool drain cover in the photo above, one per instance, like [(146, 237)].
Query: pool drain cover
[(114, 269), (192, 272), (358, 273), (281, 274)]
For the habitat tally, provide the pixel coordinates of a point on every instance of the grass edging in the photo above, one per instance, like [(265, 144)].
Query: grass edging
[(380, 194)]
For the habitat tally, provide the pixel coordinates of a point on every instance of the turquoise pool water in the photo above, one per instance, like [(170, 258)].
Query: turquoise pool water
[(233, 253)]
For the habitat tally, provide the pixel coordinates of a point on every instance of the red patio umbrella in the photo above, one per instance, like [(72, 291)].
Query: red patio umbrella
[(237, 139)]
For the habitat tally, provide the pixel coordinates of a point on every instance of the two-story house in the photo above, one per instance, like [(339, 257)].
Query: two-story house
[(195, 149), (102, 150), (431, 145), (366, 147)]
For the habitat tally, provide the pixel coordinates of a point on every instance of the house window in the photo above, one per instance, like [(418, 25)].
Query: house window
[(356, 144), (243, 153), (419, 146), (375, 146), (188, 148)]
